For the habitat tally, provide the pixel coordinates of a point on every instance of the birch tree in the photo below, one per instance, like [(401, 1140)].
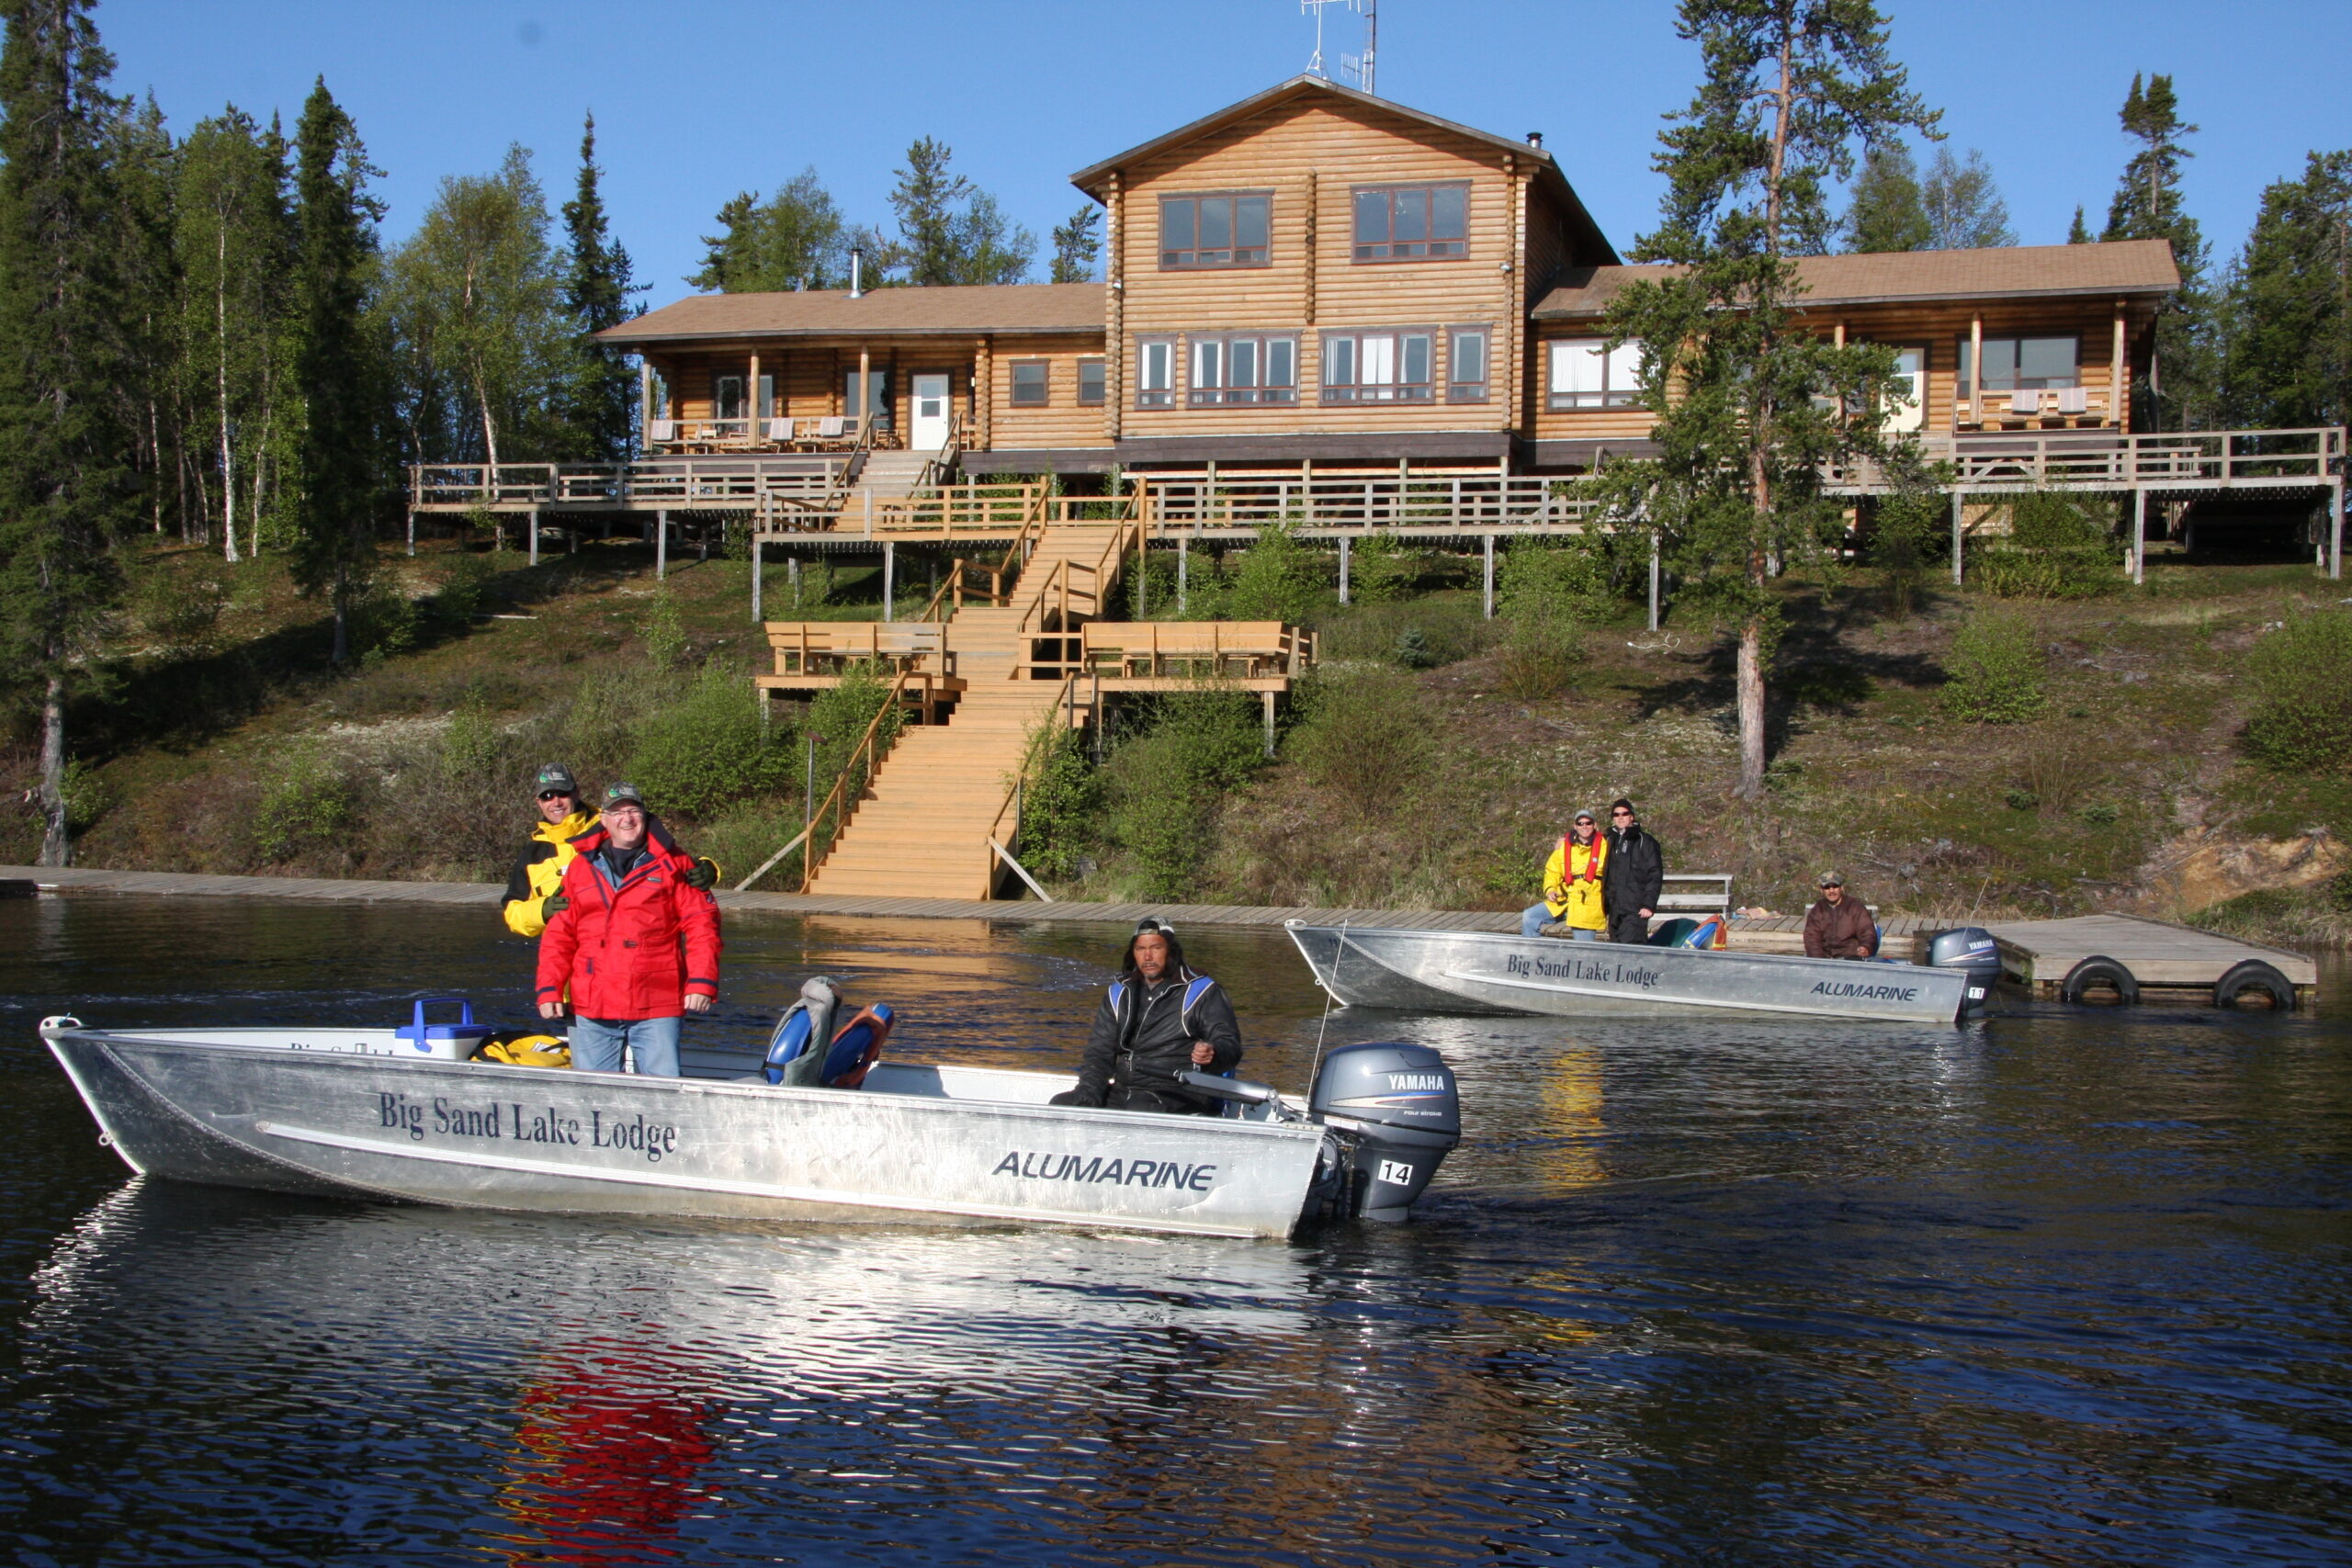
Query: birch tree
[(1752, 401)]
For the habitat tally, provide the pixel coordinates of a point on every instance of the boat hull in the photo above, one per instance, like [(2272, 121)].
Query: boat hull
[(1478, 972), (917, 1143)]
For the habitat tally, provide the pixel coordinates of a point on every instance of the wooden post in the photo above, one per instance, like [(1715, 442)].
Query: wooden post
[(1344, 568), (1975, 371), (1115, 340), (1488, 598), (1268, 698), (1183, 559), (1306, 251), (661, 545), (1958, 555), (753, 405), (865, 393), (756, 617), (1654, 581), (792, 576), (644, 397), (984, 391), (2334, 526), (412, 530), (2139, 536), (889, 582), (2118, 378), (535, 536)]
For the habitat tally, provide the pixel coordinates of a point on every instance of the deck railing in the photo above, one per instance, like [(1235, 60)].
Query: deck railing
[(1378, 500), (2095, 460), (661, 483)]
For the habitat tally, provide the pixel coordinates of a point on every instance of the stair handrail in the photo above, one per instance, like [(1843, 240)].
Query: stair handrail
[(811, 865), (993, 847)]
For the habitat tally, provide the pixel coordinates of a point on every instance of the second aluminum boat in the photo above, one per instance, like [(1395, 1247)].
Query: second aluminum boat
[(1479, 972)]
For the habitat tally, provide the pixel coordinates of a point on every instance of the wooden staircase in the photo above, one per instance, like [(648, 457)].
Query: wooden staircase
[(923, 830)]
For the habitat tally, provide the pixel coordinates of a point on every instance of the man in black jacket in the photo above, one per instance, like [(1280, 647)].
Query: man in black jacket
[(1634, 878), (1159, 1018)]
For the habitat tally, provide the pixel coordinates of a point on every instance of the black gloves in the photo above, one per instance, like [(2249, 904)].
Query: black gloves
[(702, 877), (553, 904)]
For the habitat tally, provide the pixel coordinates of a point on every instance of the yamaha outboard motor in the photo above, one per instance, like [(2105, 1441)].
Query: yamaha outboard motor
[(1973, 949), (1399, 1103)]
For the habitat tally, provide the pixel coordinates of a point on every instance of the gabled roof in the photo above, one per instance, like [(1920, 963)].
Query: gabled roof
[(1008, 308), (2122, 267), (1590, 240)]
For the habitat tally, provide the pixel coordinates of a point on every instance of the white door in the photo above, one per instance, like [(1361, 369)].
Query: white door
[(930, 432), (1904, 417)]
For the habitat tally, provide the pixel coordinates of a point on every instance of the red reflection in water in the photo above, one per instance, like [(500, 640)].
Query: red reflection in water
[(611, 1439)]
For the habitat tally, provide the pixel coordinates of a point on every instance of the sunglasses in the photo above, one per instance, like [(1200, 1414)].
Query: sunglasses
[(1621, 814), (557, 795)]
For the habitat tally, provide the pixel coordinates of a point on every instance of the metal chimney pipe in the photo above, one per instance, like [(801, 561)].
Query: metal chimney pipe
[(856, 272)]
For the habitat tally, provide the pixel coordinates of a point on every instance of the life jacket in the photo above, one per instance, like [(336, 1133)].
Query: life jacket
[(1195, 989), (526, 1050), (1597, 852), (855, 1047)]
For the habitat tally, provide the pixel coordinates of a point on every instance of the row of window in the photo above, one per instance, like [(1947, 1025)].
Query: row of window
[(1392, 223), (1387, 366)]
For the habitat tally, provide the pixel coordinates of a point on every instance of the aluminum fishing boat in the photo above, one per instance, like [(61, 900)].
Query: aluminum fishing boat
[(372, 1113), (1478, 972)]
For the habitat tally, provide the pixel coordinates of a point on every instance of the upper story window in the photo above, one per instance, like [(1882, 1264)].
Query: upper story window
[(1155, 373), (2018, 364), (1248, 368), (1215, 230), (1377, 368), (1587, 374), (1412, 223), (1465, 365), (1089, 382), (1029, 384)]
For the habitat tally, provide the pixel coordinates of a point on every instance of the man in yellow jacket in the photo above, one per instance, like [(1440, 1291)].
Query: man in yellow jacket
[(539, 870), (1572, 883)]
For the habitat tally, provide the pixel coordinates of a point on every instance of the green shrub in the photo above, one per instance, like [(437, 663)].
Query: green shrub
[(1907, 533), (461, 594), (2059, 546), (1380, 571), (2301, 678), (709, 749), (1544, 589), (1059, 799), (1276, 579), (1168, 781), (385, 623), (1418, 633), (307, 806), (1994, 672), (664, 634), (1368, 735), (181, 608)]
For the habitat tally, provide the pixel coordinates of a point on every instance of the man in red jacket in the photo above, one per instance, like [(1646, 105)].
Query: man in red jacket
[(636, 945)]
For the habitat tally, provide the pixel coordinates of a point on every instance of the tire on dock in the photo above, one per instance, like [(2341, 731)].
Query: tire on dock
[(2099, 972), (2249, 977)]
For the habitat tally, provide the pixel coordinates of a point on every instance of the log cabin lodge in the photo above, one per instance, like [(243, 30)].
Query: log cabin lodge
[(1315, 290)]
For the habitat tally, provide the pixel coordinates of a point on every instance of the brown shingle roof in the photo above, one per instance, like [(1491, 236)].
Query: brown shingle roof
[(1012, 308), (2124, 266)]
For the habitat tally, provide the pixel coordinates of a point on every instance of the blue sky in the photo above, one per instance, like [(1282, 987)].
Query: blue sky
[(695, 101)]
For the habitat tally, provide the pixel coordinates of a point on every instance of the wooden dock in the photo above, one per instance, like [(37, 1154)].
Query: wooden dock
[(2035, 953)]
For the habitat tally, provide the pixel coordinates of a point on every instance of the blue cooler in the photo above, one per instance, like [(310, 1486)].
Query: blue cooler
[(450, 1042)]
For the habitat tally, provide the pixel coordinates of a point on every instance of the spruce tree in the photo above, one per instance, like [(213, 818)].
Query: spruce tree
[(2080, 235), (796, 239), (68, 454), (1963, 207), (599, 402), (1886, 213), (2147, 206), (1077, 245), (1759, 397), (334, 364), (2288, 356), (951, 232)]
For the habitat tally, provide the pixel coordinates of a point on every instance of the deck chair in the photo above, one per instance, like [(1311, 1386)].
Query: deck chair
[(830, 427), (779, 430), (2073, 399), (2024, 404), (661, 430)]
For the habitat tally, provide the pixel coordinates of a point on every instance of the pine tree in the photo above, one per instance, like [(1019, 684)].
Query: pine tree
[(68, 455), (600, 403), (1077, 245), (145, 161), (334, 364), (2080, 235), (1886, 213), (951, 232), (2286, 361), (1963, 207), (796, 239), (2147, 206), (1790, 87)]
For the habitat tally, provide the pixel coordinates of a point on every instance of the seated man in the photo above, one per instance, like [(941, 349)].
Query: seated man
[(1160, 1018), (1572, 881), (1838, 927)]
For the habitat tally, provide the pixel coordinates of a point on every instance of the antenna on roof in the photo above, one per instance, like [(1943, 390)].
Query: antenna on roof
[(1360, 65)]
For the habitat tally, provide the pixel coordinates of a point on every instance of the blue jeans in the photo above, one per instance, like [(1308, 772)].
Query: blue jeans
[(596, 1044), (1533, 919)]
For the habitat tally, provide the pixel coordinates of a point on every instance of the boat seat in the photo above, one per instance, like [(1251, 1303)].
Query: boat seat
[(856, 1047)]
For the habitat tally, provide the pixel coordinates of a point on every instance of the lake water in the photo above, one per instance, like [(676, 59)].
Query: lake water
[(2063, 1288)]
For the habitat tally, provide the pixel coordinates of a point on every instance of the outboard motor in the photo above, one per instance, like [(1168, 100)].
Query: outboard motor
[(1973, 949), (1400, 1104)]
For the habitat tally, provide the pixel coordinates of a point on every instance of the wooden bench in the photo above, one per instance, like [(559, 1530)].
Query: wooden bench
[(823, 647), (1243, 648)]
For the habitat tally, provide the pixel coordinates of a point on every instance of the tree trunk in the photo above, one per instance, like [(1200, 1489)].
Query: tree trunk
[(339, 654), (1751, 711), (221, 338), (56, 845)]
